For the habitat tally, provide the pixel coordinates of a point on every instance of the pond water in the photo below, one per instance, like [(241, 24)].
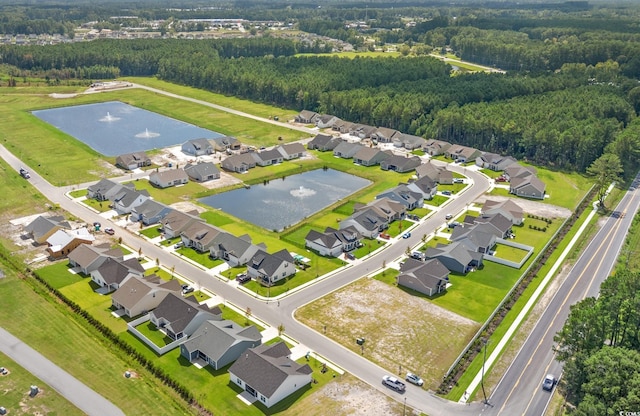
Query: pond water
[(114, 128), (282, 203)]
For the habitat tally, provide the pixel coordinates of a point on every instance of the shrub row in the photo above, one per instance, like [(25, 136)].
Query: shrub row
[(537, 217), (536, 228)]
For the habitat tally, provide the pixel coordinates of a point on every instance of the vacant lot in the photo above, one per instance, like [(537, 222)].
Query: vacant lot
[(417, 335)]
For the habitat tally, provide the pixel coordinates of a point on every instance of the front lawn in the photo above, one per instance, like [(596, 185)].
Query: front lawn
[(151, 232), (437, 200), (169, 195)]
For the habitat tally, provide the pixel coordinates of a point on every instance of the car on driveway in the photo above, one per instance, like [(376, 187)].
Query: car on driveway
[(446, 192), (548, 382), (385, 236), (180, 244), (242, 278), (187, 290), (406, 235), (414, 379), (109, 231)]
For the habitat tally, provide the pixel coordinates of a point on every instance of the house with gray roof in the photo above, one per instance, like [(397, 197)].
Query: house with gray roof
[(180, 317), (291, 151), (367, 221), (495, 162), (200, 236), (106, 189), (139, 295), (221, 144), (202, 172), (269, 157), (528, 187), (508, 208), (436, 173), (234, 250), (428, 277), (307, 117), (326, 120), (267, 268), (267, 373), (408, 141), (362, 131), (516, 170), (175, 222), (370, 156), (404, 195), (343, 127), (457, 257), (240, 163), (332, 242), (477, 237), (385, 135), (135, 160), (168, 178), (425, 186), (461, 153), (401, 164), (87, 258), (435, 147), (127, 199), (501, 226), (197, 147), (113, 272), (391, 210), (63, 242), (150, 212), (43, 227), (219, 343), (347, 150), (323, 142)]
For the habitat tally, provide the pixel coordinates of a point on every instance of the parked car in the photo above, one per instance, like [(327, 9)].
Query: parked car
[(448, 216), (178, 245), (458, 180), (446, 192), (184, 286), (394, 383), (406, 235), (548, 382), (415, 379), (501, 179), (187, 290), (385, 236), (453, 224), (350, 256), (242, 278), (109, 231), (416, 255)]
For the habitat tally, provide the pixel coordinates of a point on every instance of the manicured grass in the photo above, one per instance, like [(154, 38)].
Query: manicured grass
[(437, 200), (15, 393), (18, 196), (149, 330), (215, 218), (564, 189), (201, 296), (161, 273), (78, 193), (151, 232), (59, 275), (100, 206), (509, 253), (169, 195), (454, 188), (491, 173), (201, 258), (398, 227), (421, 212)]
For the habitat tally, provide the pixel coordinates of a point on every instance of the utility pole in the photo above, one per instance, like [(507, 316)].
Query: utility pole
[(483, 362)]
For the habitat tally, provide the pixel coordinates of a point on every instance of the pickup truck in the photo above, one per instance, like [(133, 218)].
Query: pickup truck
[(394, 383), (24, 173)]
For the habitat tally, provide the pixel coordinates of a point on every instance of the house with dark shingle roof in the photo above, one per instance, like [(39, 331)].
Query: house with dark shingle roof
[(333, 242), (197, 147), (326, 121), (436, 173), (367, 221), (150, 212), (495, 162), (388, 208), (457, 257), (130, 161), (234, 250), (223, 143), (347, 150), (342, 126), (219, 343), (408, 141), (516, 170), (106, 189), (362, 131), (88, 258), (425, 186), (385, 135), (202, 172), (113, 272), (175, 222), (307, 117), (370, 156), (240, 163), (323, 142), (168, 178), (401, 164), (477, 237), (139, 295), (508, 208), (291, 151), (429, 277), (404, 195), (127, 199), (180, 317), (267, 373), (269, 157), (268, 268), (462, 153), (200, 236), (528, 187), (43, 227), (435, 147)]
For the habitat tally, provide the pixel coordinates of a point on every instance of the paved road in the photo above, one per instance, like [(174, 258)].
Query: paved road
[(519, 392), (64, 383)]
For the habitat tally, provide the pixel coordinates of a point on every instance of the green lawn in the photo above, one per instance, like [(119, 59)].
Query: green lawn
[(149, 330), (59, 275), (16, 399), (151, 232), (201, 258), (510, 253), (437, 200), (78, 193), (169, 195), (100, 206)]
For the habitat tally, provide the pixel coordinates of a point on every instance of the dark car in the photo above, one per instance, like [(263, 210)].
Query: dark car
[(406, 235), (242, 278), (548, 382), (109, 231)]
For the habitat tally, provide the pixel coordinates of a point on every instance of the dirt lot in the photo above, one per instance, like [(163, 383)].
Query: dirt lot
[(530, 207)]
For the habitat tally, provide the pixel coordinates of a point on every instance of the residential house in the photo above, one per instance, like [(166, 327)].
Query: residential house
[(43, 227), (367, 222), (391, 210), (385, 135), (478, 237), (113, 272), (404, 195), (240, 163), (307, 117), (221, 144), (168, 178), (267, 373), (425, 186), (370, 156), (63, 242), (176, 222), (408, 141), (436, 173), (269, 268), (495, 162), (197, 147), (326, 120), (234, 250), (346, 150), (87, 258), (127, 199), (362, 131), (291, 151), (516, 170), (202, 172), (461, 154), (529, 187), (139, 295), (500, 225), (343, 127), (200, 236), (332, 242), (180, 317), (149, 212), (323, 142), (106, 189), (435, 147), (219, 343), (457, 257), (269, 157), (508, 208), (135, 160), (401, 164), (429, 277)]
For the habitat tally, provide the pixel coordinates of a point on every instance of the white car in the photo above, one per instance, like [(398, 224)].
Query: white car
[(414, 379)]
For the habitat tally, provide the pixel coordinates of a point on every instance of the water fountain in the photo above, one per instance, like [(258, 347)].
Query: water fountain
[(302, 192), (147, 134), (109, 118)]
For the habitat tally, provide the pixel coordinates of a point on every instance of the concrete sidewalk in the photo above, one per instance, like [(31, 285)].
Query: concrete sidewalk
[(64, 383)]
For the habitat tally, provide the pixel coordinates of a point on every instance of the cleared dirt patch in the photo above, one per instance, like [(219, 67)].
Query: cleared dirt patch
[(531, 207), (402, 332)]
